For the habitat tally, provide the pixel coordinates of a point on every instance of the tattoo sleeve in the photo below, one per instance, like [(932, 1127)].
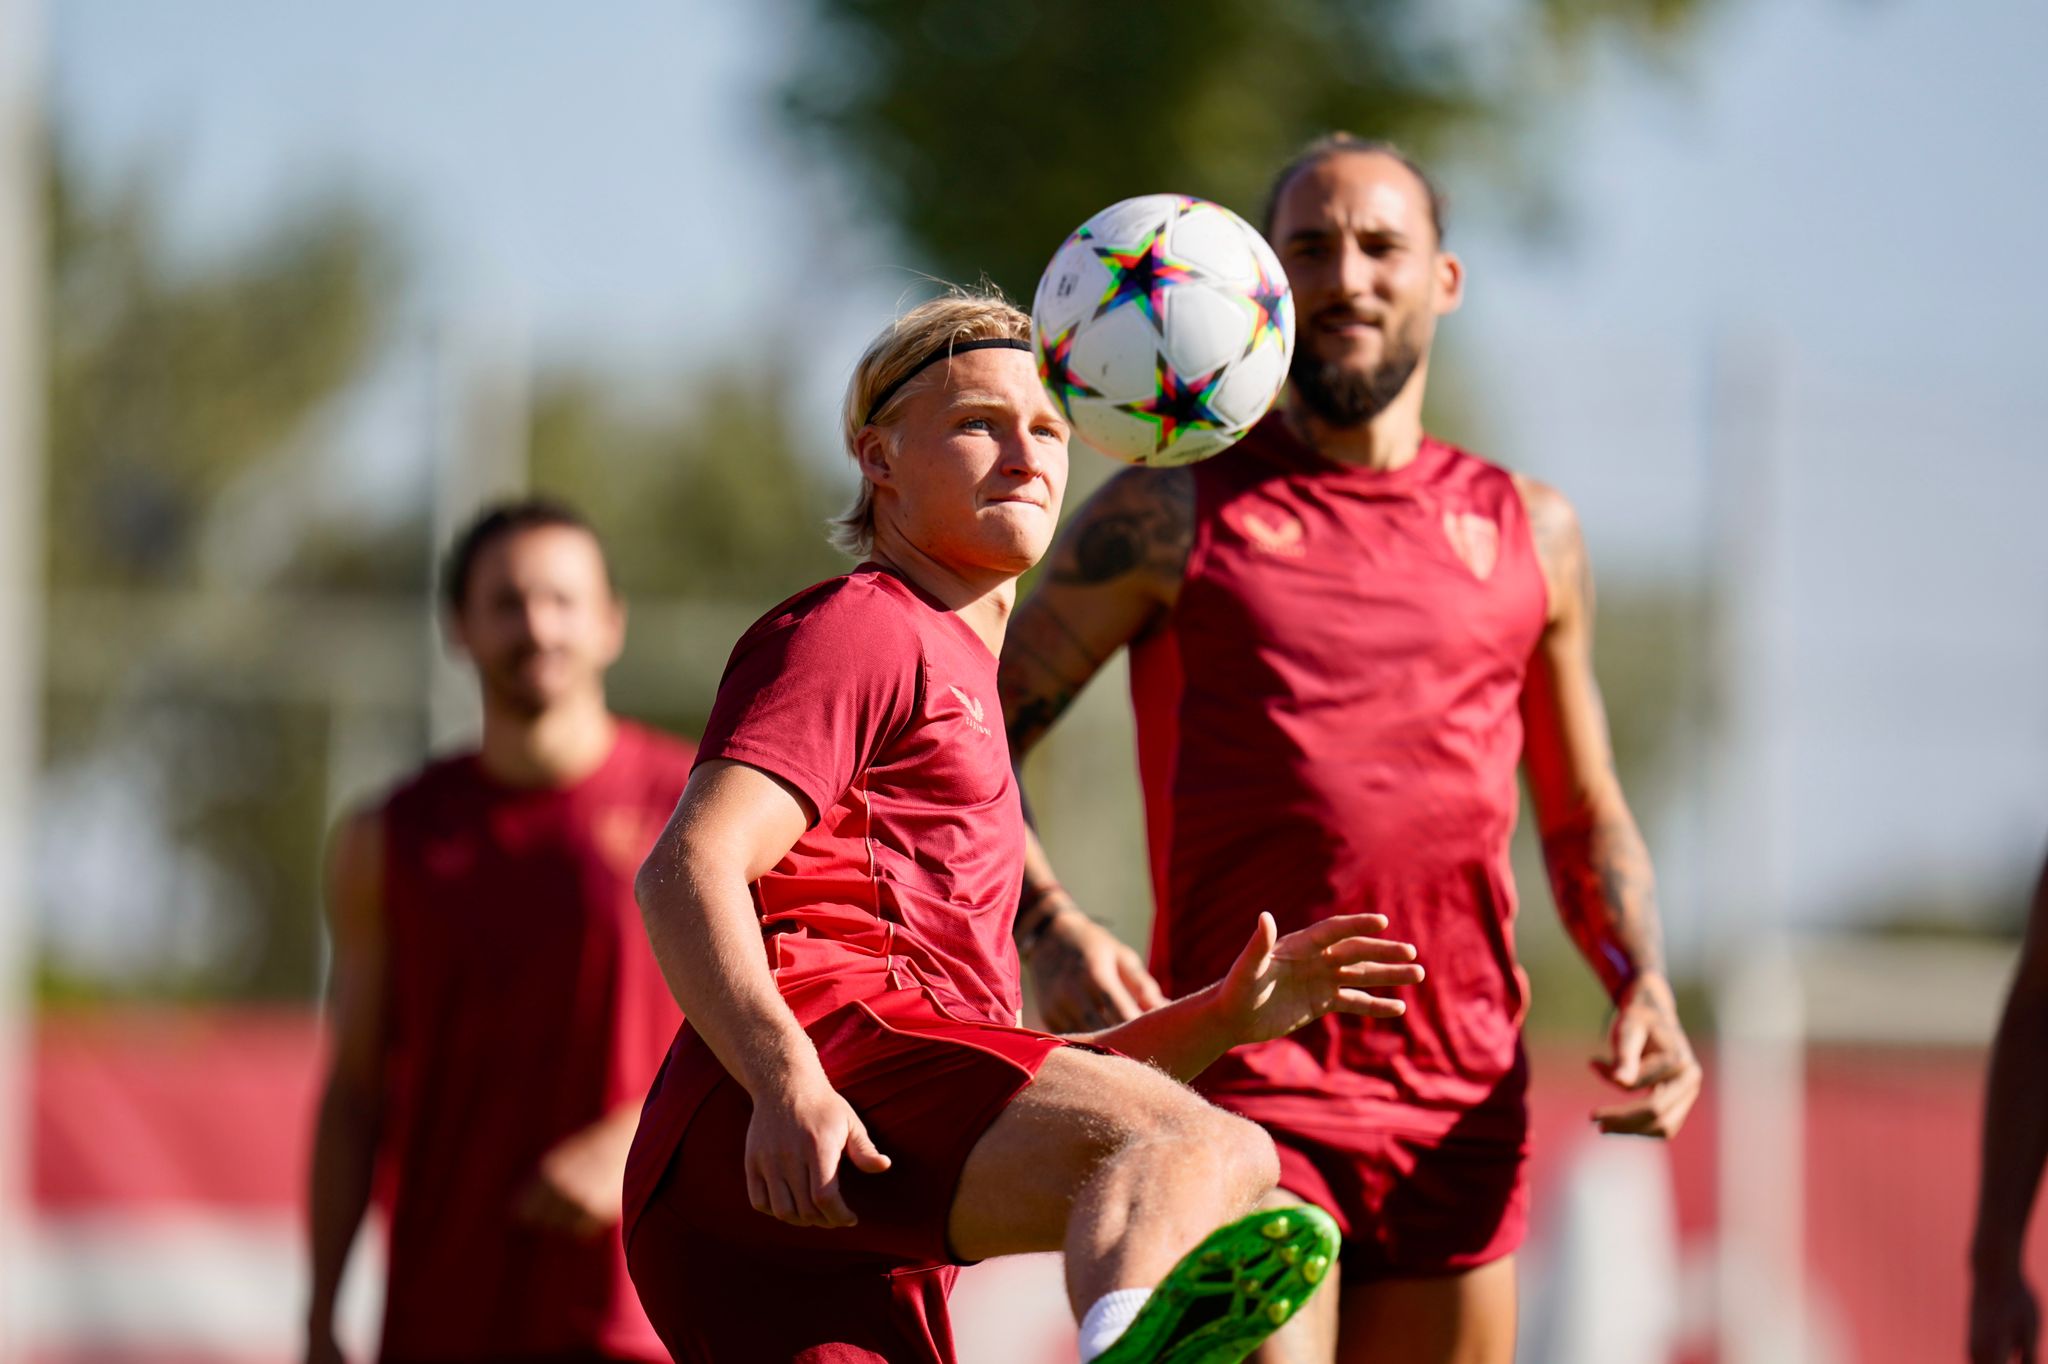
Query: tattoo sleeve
[(1113, 572), (1599, 867), (1143, 522), (1607, 896)]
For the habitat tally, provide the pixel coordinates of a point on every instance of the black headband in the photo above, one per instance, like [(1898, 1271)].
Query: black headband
[(950, 348)]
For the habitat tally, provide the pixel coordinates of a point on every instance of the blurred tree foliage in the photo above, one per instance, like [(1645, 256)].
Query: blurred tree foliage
[(706, 496), (176, 385), (167, 381), (986, 130), (709, 509)]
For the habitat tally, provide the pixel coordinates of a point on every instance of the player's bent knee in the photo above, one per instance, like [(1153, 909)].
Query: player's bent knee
[(1255, 1164), (1221, 1150)]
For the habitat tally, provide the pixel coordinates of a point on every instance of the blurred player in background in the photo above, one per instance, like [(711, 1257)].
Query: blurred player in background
[(1345, 634), (853, 1111), (496, 1015), (2005, 1316)]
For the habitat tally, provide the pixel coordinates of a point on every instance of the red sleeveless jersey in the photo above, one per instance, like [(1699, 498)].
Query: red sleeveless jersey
[(524, 1005), (1329, 723)]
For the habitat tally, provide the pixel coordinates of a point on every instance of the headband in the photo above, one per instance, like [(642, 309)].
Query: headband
[(949, 349)]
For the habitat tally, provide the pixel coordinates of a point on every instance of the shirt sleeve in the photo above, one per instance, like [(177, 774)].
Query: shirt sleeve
[(813, 695)]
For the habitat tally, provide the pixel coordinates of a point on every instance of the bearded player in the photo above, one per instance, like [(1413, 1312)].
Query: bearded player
[(495, 1013), (851, 1110), (1345, 635)]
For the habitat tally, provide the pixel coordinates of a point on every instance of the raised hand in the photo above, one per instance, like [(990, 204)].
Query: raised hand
[(1279, 984)]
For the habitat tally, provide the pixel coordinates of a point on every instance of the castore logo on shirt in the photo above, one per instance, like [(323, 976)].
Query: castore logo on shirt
[(974, 713), (1282, 535)]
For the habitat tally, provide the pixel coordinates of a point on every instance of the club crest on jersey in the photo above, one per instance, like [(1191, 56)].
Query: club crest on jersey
[(624, 834), (974, 715), (1475, 540), (1275, 532)]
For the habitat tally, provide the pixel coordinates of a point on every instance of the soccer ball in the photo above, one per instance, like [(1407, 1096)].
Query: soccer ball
[(1163, 328)]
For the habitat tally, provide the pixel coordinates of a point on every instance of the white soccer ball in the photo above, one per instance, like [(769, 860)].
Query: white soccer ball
[(1163, 328)]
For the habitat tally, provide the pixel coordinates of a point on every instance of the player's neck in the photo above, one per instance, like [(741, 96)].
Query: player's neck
[(983, 600), (558, 747), (1390, 440)]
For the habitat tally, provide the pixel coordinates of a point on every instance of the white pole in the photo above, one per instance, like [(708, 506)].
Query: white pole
[(21, 512), (1761, 1146)]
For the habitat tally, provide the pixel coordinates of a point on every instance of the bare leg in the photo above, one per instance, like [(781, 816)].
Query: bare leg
[(1466, 1318), (1311, 1338), (1114, 1163)]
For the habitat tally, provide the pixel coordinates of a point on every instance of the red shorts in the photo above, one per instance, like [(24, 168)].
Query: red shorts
[(1410, 1203), (722, 1282)]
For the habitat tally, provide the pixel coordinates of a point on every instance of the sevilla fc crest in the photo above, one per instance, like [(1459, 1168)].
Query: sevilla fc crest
[(624, 835), (1475, 540)]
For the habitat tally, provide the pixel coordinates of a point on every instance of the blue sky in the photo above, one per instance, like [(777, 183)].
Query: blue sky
[(1788, 336)]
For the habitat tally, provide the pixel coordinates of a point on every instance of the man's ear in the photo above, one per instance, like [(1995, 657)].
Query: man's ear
[(1450, 282), (875, 454)]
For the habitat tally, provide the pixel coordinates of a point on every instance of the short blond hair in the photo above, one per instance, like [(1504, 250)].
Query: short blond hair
[(958, 315)]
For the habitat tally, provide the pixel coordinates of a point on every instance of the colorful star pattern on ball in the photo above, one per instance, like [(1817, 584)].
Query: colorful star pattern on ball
[(1180, 404), (1140, 276), (1270, 300), (1056, 369)]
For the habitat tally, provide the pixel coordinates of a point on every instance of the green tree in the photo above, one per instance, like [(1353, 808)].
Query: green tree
[(710, 513), (985, 130), (168, 380), (705, 496)]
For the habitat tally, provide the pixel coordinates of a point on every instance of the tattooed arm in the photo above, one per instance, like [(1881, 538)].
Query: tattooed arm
[(1599, 869), (1114, 573)]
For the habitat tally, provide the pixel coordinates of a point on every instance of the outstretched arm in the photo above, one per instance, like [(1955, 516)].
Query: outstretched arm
[(733, 824), (2005, 1318), (1599, 868), (1116, 570), (351, 1114), (1276, 985)]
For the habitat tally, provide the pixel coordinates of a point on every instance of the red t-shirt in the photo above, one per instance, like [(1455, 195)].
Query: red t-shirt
[(880, 708), (523, 1005), (1329, 723)]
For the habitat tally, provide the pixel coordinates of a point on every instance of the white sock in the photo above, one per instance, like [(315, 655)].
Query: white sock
[(1109, 1318)]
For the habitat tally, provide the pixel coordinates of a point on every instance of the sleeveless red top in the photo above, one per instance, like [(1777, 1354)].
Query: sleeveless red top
[(524, 1004), (1329, 723)]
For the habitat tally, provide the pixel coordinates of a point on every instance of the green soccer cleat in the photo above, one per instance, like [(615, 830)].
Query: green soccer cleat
[(1232, 1291)]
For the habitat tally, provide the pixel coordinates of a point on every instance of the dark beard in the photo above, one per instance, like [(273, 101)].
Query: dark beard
[(1344, 397)]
